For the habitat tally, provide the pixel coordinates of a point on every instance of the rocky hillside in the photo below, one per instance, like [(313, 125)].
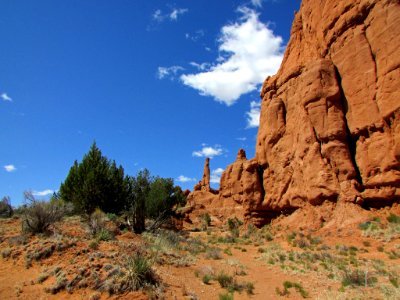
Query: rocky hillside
[(330, 118)]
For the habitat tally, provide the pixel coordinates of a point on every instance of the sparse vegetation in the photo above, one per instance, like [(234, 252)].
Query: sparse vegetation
[(357, 278), (206, 278), (6, 210), (227, 296), (205, 221), (38, 216), (288, 285), (392, 218)]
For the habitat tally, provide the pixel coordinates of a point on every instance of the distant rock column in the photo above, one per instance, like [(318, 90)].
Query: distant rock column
[(204, 183)]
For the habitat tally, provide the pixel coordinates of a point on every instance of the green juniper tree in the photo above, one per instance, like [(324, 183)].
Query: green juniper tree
[(135, 205), (96, 182)]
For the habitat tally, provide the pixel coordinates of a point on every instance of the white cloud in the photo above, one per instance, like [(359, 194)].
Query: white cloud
[(200, 67), (10, 168), (195, 36), (208, 151), (241, 139), (43, 193), (253, 116), (5, 97), (173, 15), (248, 52), (215, 176), (176, 12), (158, 16), (183, 178), (170, 72), (257, 3)]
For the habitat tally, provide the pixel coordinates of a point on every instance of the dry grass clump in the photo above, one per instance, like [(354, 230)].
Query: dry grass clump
[(288, 285)]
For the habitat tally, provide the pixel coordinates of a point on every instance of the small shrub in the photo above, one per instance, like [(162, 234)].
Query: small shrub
[(6, 210), (287, 285), (251, 230), (206, 279), (392, 218), (42, 277), (224, 280), (214, 253), (96, 222), (59, 285), (393, 278), (357, 278), (369, 225), (94, 245), (38, 216), (249, 286), (18, 240), (290, 237), (104, 235), (112, 217), (233, 225), (366, 243), (139, 273), (5, 253), (227, 296), (228, 251), (206, 220)]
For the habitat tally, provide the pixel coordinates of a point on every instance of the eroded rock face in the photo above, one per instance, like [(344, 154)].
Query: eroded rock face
[(330, 118), (329, 125)]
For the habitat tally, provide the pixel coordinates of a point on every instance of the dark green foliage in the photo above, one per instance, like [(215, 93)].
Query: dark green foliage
[(96, 182), (206, 278), (394, 219), (161, 197), (135, 205), (6, 210), (151, 197)]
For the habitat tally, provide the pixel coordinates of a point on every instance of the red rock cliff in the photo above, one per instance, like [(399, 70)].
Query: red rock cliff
[(330, 118), (329, 125)]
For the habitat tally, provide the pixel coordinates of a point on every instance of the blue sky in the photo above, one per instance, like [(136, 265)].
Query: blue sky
[(157, 84)]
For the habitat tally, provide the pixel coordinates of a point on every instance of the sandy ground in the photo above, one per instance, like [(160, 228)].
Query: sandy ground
[(314, 259)]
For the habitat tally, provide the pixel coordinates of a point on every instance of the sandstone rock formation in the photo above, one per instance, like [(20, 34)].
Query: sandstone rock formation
[(330, 118), (204, 184), (329, 125)]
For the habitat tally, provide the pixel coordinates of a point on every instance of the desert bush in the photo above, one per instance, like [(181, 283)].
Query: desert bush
[(233, 225), (97, 226), (225, 280), (138, 273), (213, 253), (59, 285), (6, 210), (227, 296), (357, 278), (392, 218), (205, 220), (287, 285), (206, 278), (5, 253), (42, 277), (38, 216)]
